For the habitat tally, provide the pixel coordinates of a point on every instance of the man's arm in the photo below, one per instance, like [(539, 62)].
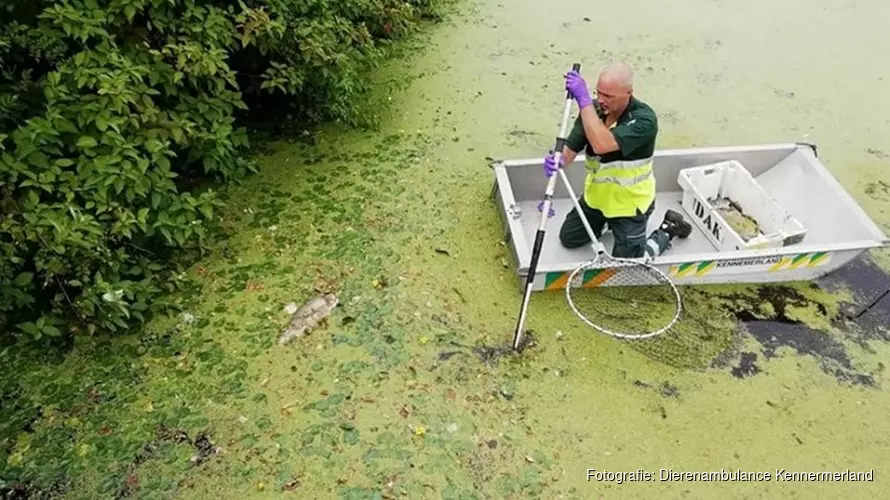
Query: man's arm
[(598, 135), (575, 142), (568, 156)]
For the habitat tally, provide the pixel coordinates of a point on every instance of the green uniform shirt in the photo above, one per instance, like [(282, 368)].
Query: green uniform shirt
[(634, 131)]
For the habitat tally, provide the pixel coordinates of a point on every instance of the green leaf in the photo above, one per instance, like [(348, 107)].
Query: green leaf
[(51, 331), (38, 159), (86, 142), (65, 125), (32, 198), (207, 211), (24, 279), (29, 327), (64, 162), (163, 163), (101, 124)]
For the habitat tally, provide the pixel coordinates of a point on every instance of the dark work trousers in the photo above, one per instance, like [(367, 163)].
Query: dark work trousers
[(630, 236)]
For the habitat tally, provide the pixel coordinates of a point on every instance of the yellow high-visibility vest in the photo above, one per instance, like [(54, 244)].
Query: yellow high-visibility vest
[(619, 188)]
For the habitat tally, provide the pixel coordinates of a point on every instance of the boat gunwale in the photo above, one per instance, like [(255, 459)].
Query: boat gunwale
[(523, 254), (720, 256), (791, 147), (516, 232)]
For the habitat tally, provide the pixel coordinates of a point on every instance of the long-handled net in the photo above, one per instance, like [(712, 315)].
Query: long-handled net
[(625, 298)]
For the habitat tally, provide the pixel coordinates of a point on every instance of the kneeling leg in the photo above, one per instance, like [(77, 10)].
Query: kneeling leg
[(572, 234)]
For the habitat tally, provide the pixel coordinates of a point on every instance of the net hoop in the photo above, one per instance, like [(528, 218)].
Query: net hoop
[(620, 262)]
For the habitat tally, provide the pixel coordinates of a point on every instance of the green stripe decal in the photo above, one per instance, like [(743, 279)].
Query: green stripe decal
[(550, 278), (686, 265), (589, 275)]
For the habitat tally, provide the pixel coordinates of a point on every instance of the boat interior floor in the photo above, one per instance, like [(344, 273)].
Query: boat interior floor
[(554, 254)]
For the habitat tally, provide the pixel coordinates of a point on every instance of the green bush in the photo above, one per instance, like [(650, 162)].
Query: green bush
[(111, 109)]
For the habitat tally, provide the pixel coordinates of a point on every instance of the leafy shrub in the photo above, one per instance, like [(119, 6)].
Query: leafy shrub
[(111, 109)]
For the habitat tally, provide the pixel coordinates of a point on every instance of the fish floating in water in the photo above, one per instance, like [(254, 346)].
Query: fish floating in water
[(312, 313)]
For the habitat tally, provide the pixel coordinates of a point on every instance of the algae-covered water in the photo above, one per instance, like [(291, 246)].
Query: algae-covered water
[(390, 400)]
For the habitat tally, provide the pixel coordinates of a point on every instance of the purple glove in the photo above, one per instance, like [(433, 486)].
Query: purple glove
[(541, 209), (577, 87), (550, 164)]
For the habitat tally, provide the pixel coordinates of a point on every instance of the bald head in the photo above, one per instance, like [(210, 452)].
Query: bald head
[(614, 87), (618, 73)]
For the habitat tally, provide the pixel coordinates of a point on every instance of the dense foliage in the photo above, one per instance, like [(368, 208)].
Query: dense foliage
[(111, 109)]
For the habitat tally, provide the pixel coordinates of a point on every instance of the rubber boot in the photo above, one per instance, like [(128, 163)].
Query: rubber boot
[(675, 226)]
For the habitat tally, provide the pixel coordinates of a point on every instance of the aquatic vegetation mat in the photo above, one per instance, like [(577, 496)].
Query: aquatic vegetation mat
[(629, 310), (746, 227)]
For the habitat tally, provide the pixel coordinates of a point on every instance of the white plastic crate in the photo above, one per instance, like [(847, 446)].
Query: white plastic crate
[(717, 184)]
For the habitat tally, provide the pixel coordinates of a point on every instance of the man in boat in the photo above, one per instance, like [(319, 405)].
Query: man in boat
[(617, 133)]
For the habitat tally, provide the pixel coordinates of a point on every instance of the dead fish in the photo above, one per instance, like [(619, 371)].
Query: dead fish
[(308, 316)]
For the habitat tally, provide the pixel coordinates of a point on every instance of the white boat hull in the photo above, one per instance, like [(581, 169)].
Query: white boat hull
[(838, 229)]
